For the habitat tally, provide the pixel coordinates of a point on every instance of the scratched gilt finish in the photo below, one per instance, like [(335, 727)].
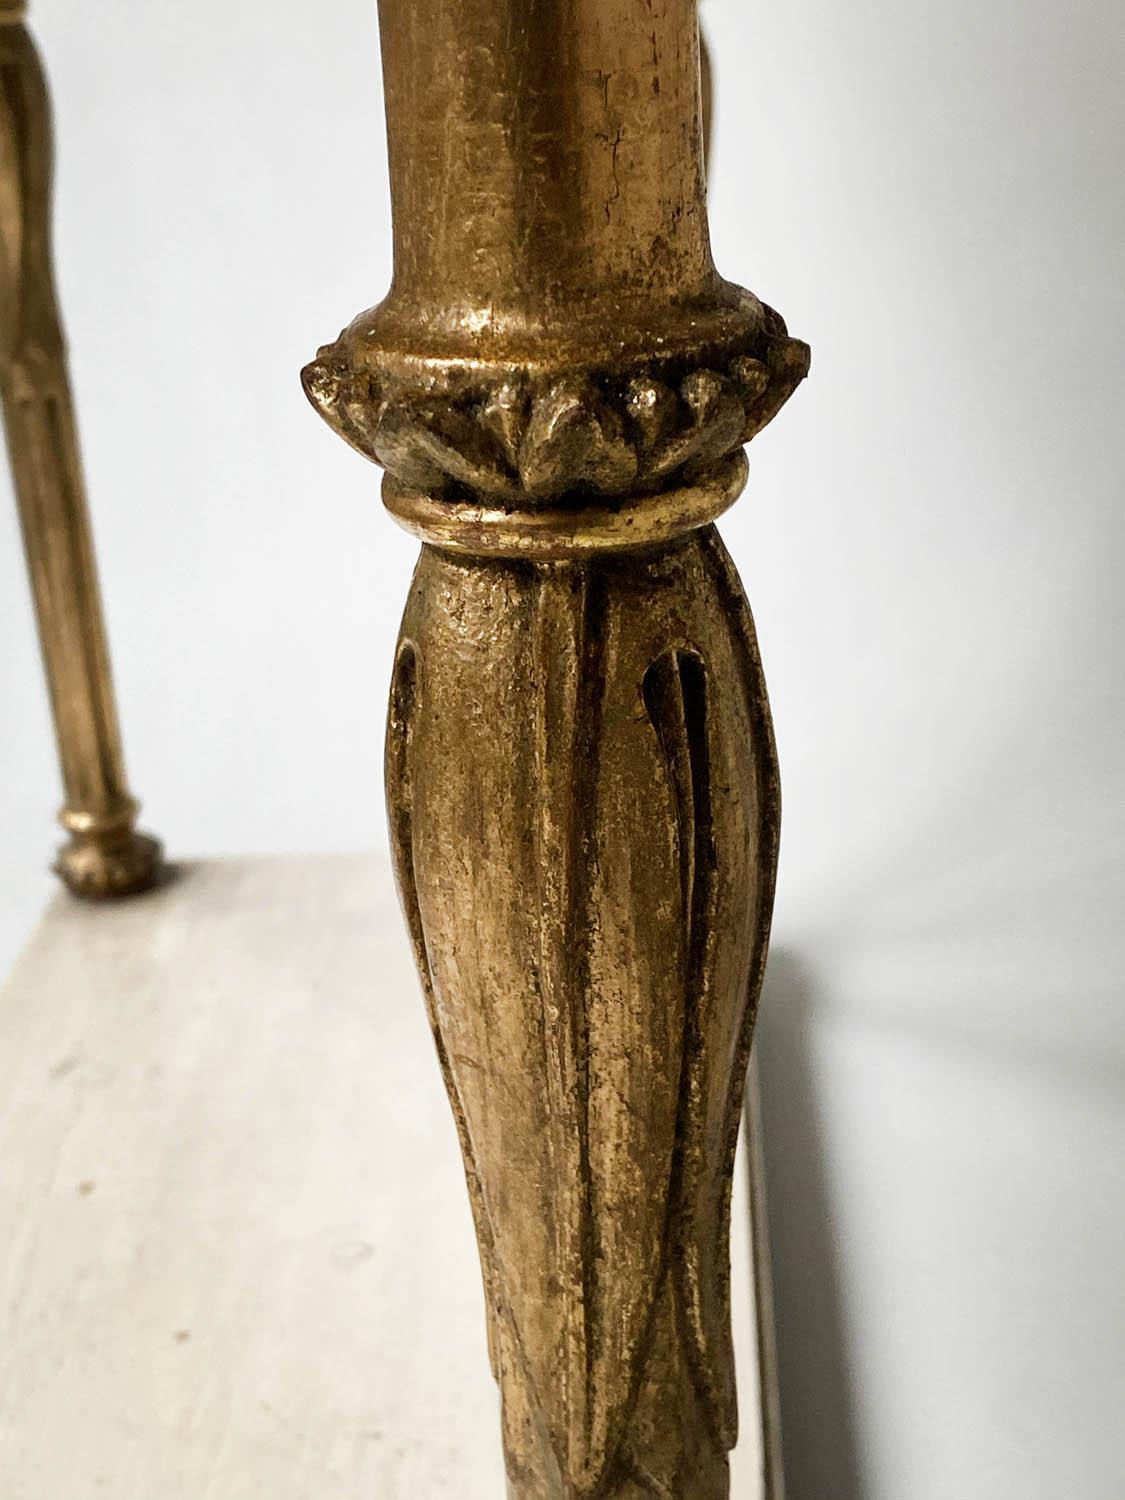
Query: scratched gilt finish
[(105, 855), (580, 768)]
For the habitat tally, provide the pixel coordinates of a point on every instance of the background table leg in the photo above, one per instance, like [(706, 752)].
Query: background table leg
[(105, 856)]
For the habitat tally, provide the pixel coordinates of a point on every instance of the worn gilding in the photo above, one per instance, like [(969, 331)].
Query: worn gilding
[(581, 775)]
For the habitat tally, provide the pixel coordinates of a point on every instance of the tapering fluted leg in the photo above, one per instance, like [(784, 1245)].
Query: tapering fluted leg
[(582, 787), (105, 856), (580, 767)]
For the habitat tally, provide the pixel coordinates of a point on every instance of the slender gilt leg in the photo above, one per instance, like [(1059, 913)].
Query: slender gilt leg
[(106, 856), (580, 766)]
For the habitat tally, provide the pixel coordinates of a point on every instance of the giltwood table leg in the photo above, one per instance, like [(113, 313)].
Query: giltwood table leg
[(580, 765), (106, 856)]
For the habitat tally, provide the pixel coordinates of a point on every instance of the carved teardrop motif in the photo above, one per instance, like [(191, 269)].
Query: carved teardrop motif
[(589, 885)]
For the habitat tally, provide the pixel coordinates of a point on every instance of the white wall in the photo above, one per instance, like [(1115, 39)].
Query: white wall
[(933, 545)]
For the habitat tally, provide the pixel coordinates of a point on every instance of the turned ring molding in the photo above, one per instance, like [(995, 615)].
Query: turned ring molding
[(552, 533)]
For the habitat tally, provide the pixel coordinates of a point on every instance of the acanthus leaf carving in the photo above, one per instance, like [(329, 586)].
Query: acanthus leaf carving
[(521, 441)]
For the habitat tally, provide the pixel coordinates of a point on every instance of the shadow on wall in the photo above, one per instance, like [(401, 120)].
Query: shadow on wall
[(817, 1417)]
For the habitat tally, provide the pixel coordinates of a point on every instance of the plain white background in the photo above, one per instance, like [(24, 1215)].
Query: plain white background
[(932, 542)]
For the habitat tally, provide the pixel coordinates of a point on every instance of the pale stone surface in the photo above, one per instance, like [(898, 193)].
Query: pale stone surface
[(236, 1255)]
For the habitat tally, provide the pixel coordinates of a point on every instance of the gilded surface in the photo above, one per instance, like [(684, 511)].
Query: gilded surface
[(524, 438), (581, 777), (105, 855), (585, 813)]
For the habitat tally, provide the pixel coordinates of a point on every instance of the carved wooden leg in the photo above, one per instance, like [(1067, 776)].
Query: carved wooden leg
[(581, 775), (105, 856)]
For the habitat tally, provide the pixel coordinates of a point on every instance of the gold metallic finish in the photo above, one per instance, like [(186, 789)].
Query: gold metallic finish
[(556, 325), (106, 856), (581, 776), (554, 533)]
